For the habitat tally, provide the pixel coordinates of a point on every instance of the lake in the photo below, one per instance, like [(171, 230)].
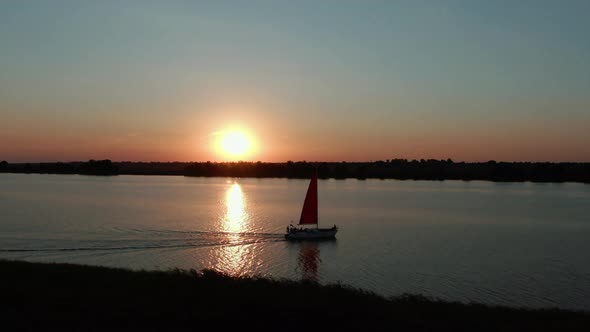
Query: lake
[(517, 244)]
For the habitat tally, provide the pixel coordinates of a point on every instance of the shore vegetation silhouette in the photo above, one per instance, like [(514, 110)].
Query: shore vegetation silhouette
[(401, 169), (42, 296)]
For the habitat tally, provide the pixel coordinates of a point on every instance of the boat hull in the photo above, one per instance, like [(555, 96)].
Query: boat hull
[(312, 234)]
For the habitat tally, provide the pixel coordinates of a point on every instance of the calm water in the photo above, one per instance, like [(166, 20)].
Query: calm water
[(500, 243)]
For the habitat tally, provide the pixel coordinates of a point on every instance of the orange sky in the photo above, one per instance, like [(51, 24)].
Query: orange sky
[(327, 81)]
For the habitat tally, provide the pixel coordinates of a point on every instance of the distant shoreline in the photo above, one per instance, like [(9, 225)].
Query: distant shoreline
[(399, 169), (42, 296)]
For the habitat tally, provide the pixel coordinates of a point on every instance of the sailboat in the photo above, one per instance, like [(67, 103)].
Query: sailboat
[(309, 216)]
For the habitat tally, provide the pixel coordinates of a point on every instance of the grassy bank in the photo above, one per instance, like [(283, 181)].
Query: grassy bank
[(41, 297)]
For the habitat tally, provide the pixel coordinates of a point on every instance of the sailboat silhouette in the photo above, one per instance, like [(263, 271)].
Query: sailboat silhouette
[(309, 216)]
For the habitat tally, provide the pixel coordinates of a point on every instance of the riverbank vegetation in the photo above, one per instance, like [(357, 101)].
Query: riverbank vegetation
[(401, 169), (41, 297)]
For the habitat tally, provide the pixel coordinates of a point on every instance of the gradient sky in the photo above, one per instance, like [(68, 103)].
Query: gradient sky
[(314, 80)]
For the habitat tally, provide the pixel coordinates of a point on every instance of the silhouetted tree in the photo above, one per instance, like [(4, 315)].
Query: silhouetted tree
[(430, 169), (98, 167)]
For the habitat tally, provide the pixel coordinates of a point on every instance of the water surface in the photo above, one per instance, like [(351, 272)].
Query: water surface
[(520, 244)]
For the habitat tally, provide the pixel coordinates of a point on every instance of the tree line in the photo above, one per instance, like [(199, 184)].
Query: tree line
[(403, 169)]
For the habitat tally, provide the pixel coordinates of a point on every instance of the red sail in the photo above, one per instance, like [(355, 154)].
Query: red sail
[(309, 214)]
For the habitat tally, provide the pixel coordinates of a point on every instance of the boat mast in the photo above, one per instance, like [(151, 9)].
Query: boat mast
[(309, 213), (317, 204)]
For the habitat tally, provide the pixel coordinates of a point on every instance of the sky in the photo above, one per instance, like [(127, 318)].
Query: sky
[(305, 80)]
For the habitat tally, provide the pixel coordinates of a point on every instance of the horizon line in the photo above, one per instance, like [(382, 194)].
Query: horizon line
[(299, 161)]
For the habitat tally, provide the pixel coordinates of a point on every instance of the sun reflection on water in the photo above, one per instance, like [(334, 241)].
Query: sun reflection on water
[(236, 215), (237, 256)]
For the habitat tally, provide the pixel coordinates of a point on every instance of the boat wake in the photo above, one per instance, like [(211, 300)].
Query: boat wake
[(143, 239)]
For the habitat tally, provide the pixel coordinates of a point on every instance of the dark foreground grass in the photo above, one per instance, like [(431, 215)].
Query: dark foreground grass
[(43, 297)]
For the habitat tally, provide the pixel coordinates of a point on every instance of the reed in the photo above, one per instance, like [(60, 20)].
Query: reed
[(40, 296)]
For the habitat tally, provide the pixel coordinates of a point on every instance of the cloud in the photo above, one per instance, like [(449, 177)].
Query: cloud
[(216, 133)]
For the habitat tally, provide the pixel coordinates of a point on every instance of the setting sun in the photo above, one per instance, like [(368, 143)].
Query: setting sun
[(235, 143)]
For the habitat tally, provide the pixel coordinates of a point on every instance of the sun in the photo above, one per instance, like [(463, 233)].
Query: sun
[(234, 144)]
